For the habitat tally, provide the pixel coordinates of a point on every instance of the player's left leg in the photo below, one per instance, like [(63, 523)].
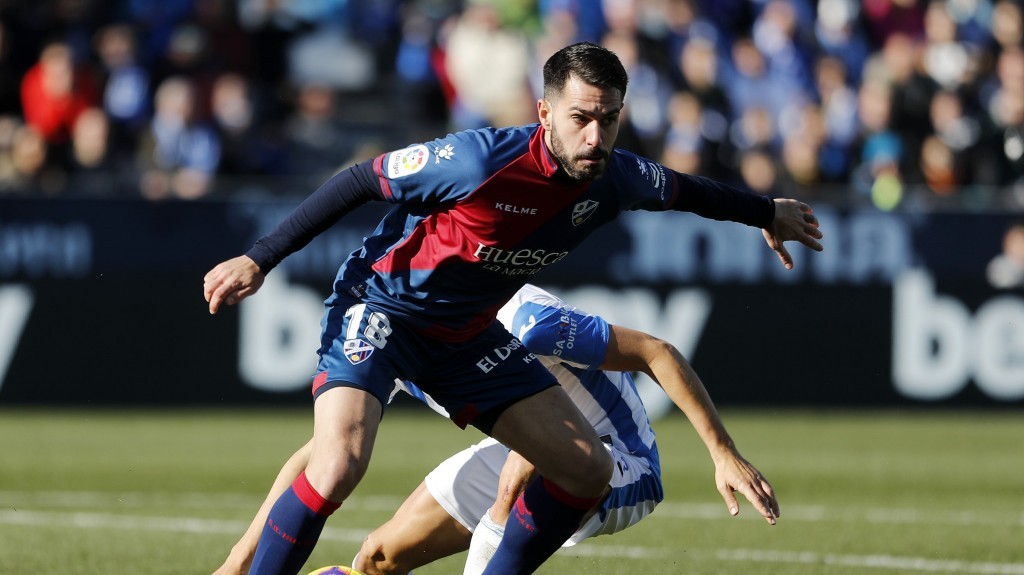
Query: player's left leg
[(635, 490), (498, 386), (420, 532), (550, 432)]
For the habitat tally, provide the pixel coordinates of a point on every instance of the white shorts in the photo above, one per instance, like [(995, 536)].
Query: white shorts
[(466, 484)]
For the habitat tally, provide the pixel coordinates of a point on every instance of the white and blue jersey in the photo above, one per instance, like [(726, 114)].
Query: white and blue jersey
[(572, 345)]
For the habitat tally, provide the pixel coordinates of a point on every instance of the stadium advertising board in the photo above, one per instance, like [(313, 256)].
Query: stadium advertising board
[(101, 303)]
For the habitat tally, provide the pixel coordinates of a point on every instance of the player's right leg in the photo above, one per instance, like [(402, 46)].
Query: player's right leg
[(344, 428), (345, 422), (359, 357)]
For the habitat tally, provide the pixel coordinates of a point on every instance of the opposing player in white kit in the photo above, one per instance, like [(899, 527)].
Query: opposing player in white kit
[(464, 502)]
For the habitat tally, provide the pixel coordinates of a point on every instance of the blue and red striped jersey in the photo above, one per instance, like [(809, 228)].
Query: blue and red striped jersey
[(479, 212)]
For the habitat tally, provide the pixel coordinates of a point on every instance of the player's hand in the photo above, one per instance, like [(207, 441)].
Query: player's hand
[(794, 221), (239, 560), (231, 282), (733, 474)]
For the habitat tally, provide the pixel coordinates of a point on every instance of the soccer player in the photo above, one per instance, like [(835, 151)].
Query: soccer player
[(468, 496), (477, 213)]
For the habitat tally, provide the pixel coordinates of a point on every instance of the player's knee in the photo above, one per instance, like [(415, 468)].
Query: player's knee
[(589, 476), (600, 467), (338, 477)]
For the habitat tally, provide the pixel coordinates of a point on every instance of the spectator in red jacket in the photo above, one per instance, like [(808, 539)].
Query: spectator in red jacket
[(54, 93)]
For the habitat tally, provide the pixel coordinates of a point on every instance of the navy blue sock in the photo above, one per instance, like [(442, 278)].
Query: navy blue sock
[(292, 530), (542, 519)]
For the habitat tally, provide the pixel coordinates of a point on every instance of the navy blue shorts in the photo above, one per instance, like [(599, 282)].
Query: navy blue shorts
[(363, 347)]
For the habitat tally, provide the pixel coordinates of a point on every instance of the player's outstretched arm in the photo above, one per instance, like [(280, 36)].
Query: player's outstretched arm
[(231, 281), (631, 350), (794, 221), (241, 556)]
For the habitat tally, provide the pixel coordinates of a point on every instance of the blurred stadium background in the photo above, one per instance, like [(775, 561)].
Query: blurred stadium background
[(143, 141)]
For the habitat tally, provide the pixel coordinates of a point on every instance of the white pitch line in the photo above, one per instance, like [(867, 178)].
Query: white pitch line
[(819, 513), (148, 499), (872, 561), (149, 523), (667, 510), (921, 564), (636, 552)]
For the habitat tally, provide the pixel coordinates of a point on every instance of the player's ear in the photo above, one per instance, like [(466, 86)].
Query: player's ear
[(544, 113)]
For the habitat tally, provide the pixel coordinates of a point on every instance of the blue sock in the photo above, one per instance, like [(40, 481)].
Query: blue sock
[(292, 530), (543, 518)]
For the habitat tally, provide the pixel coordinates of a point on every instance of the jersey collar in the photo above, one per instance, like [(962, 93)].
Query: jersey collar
[(542, 157)]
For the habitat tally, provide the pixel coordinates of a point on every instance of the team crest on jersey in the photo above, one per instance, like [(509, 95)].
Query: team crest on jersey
[(407, 161), (582, 211), (357, 350)]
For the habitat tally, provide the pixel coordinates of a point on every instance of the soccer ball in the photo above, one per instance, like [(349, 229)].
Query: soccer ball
[(336, 570)]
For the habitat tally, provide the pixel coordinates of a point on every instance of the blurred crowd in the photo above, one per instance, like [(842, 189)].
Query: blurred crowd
[(888, 102)]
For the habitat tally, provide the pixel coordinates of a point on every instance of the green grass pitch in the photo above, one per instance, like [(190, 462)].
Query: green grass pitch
[(148, 492)]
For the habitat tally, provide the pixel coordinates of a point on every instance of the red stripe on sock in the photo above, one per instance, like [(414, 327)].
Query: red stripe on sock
[(316, 502), (569, 499)]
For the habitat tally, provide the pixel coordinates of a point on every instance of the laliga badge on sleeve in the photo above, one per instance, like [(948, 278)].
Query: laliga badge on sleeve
[(407, 161)]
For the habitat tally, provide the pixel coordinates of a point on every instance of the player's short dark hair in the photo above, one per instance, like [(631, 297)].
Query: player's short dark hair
[(588, 62)]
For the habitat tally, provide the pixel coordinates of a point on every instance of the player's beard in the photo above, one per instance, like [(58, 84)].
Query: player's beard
[(582, 172)]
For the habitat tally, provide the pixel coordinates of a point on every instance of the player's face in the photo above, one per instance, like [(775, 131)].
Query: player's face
[(581, 125)]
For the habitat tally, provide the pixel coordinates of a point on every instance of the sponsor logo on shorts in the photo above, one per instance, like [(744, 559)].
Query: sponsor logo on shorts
[(500, 354), (357, 350), (407, 161)]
